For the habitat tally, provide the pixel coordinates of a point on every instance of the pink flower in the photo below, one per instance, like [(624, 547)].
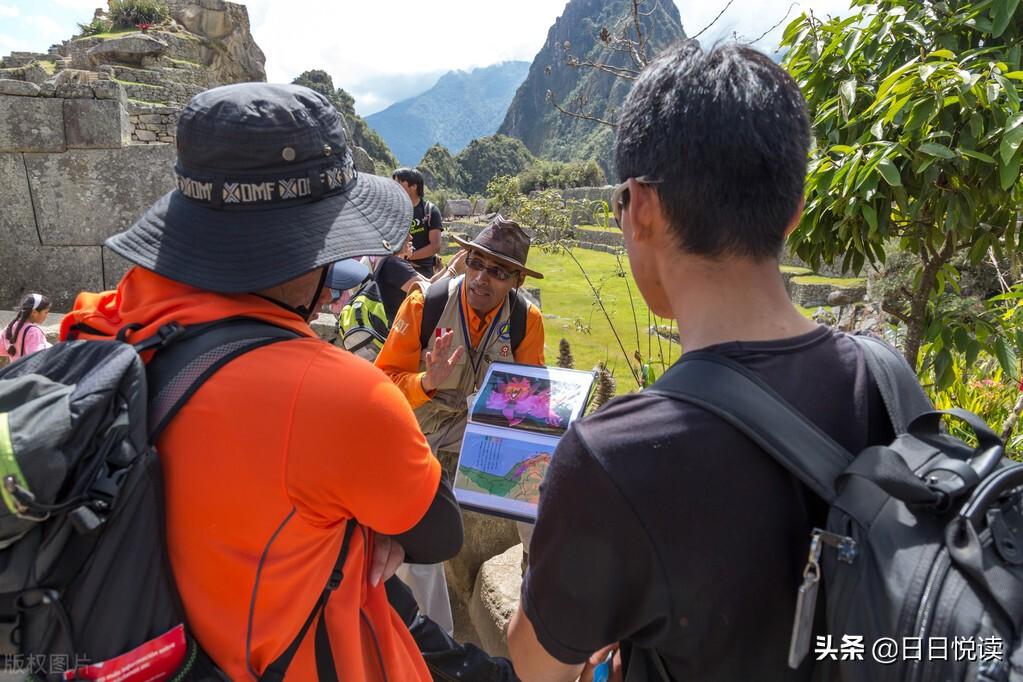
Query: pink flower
[(517, 399)]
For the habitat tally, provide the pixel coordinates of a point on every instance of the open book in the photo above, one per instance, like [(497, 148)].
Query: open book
[(515, 422)]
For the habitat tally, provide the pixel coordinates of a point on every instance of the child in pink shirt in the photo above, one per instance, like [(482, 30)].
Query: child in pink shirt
[(23, 336)]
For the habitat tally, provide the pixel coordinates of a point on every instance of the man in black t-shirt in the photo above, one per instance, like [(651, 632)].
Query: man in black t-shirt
[(427, 223), (664, 534)]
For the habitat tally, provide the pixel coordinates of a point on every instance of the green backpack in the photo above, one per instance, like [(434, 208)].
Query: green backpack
[(363, 324)]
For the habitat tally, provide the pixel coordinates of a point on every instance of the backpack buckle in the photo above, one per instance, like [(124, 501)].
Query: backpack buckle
[(164, 336)]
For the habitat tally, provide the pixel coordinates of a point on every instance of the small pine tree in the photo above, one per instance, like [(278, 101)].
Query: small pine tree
[(565, 358), (605, 389)]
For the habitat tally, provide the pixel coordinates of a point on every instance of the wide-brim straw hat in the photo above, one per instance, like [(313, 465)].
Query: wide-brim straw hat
[(266, 191), (504, 241)]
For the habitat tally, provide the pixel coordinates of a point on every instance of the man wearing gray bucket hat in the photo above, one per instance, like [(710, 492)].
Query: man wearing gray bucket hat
[(296, 461)]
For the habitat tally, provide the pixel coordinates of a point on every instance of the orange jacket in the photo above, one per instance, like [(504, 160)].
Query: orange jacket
[(298, 436), (399, 358)]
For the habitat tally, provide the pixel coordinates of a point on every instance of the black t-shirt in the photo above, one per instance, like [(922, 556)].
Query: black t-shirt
[(391, 275), (422, 224), (663, 527)]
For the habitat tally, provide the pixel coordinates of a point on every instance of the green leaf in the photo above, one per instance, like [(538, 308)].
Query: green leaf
[(943, 54), (1004, 9), (1006, 358), (935, 149), (847, 90), (918, 27), (1009, 172), (1015, 75), (977, 155), (927, 70), (1011, 138), (870, 215), (877, 130), (889, 172)]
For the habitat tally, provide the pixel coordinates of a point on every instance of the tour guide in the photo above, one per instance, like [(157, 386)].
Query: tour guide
[(484, 318)]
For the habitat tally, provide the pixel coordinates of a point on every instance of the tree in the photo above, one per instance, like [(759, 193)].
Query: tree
[(490, 157), (358, 130), (440, 170), (554, 174), (916, 112)]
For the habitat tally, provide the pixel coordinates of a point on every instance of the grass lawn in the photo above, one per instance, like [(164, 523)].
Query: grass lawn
[(567, 299), (600, 228), (839, 282)]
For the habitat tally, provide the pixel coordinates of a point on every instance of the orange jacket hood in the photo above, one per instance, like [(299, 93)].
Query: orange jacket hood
[(150, 300)]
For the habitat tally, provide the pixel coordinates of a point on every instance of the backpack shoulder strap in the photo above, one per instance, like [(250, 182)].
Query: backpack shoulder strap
[(741, 398), (433, 306), (900, 389), (187, 356), (185, 359), (517, 322)]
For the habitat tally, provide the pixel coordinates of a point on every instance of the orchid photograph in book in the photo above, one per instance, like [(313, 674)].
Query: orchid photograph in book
[(519, 400)]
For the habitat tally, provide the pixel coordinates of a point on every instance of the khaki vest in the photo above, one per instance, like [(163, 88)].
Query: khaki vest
[(446, 413)]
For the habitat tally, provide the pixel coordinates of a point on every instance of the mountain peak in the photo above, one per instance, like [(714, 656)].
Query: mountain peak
[(553, 135), (461, 106)]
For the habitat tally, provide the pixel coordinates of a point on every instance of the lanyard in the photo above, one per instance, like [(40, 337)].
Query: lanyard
[(475, 359)]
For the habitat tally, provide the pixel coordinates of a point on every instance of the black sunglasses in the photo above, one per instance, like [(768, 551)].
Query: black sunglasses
[(620, 196), (479, 265)]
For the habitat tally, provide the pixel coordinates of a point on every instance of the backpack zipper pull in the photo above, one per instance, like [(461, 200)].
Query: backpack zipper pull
[(806, 597), (806, 604)]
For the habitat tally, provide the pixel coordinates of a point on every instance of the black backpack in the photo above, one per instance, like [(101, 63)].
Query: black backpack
[(437, 298), (924, 538), (84, 570)]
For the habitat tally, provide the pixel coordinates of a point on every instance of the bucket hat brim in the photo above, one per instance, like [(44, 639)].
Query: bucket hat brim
[(473, 246), (240, 251)]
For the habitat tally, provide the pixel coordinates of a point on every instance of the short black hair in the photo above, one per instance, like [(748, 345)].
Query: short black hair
[(410, 175), (727, 133)]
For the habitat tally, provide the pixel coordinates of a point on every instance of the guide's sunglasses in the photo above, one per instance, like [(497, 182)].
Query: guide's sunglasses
[(479, 265), (620, 196)]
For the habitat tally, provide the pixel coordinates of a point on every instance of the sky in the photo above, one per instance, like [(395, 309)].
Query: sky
[(385, 51)]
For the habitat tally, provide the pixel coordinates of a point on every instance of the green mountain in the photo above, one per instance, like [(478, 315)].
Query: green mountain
[(552, 135), (460, 107), (361, 134)]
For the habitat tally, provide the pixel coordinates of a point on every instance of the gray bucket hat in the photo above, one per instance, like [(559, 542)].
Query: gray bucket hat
[(266, 191)]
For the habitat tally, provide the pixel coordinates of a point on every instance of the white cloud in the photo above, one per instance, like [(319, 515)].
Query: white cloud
[(8, 11), (360, 44), (381, 52)]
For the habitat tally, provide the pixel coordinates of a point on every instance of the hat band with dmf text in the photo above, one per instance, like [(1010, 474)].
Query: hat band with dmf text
[(223, 192)]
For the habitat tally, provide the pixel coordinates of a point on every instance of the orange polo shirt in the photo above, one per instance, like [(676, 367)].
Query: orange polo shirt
[(296, 439), (399, 358)]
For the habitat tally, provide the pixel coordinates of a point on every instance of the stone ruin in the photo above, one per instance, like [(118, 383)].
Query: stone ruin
[(86, 139)]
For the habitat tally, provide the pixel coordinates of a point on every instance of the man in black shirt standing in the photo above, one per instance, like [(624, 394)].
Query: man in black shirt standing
[(663, 532), (427, 223)]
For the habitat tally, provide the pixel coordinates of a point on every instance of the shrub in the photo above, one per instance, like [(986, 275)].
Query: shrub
[(131, 13), (95, 26)]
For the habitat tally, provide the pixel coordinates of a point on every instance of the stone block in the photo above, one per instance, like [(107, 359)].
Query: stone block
[(134, 48), (75, 91), (95, 124), (485, 537), (60, 272), (31, 124), (107, 89), (84, 196), (145, 135), (458, 208), (495, 598), (18, 88)]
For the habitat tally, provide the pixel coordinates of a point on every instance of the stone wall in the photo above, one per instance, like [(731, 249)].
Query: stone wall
[(153, 124), (70, 179)]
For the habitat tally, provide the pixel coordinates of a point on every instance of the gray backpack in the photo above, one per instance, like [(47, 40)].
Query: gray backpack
[(923, 550)]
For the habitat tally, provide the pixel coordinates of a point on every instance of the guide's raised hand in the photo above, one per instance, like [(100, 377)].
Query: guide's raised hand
[(440, 363)]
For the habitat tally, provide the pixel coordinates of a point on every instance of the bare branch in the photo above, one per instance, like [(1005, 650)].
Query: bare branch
[(902, 317), (1010, 424), (780, 22), (639, 49), (998, 271), (705, 28), (616, 71), (577, 114)]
